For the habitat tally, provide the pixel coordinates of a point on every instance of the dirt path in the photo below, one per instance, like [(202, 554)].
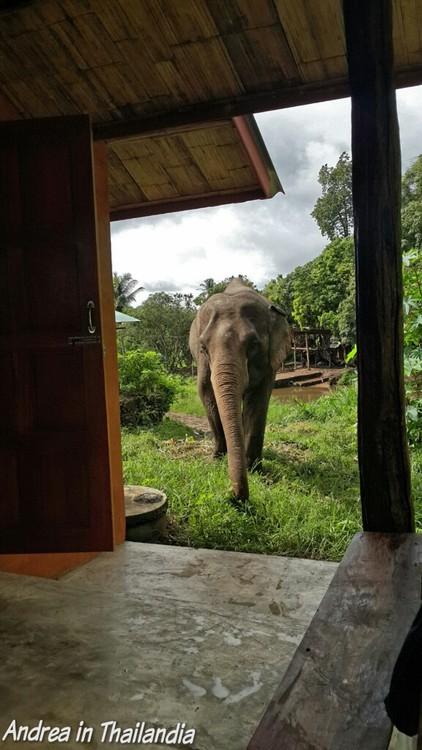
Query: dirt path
[(197, 424)]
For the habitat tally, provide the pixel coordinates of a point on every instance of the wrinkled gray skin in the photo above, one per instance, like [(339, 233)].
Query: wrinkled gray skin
[(239, 341)]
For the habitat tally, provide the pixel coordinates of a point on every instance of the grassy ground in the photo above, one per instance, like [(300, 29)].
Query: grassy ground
[(306, 503)]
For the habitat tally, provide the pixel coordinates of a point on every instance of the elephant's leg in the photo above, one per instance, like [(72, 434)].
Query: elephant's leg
[(255, 407), (206, 393)]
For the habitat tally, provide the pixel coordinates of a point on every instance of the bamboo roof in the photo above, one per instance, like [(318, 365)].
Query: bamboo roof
[(172, 74), (194, 167)]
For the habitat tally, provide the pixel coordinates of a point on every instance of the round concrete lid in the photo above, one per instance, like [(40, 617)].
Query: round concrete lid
[(143, 504)]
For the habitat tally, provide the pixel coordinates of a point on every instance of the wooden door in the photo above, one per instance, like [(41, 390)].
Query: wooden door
[(55, 484)]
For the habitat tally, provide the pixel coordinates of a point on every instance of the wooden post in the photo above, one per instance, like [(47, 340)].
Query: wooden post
[(383, 452)]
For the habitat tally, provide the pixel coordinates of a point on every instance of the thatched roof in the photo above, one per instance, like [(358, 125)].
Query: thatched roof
[(171, 74)]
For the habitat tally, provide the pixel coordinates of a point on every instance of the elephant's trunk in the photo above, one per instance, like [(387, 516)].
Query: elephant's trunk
[(227, 380)]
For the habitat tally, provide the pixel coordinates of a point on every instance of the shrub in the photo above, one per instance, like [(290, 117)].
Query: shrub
[(146, 389)]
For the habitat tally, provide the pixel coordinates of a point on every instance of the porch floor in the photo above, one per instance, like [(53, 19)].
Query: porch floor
[(157, 634)]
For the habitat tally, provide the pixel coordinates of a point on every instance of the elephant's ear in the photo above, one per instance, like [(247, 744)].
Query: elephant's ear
[(278, 309), (194, 338), (280, 337)]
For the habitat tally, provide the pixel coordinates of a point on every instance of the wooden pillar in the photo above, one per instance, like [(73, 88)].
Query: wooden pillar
[(383, 453)]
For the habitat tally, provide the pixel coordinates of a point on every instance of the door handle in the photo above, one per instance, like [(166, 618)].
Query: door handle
[(91, 325)]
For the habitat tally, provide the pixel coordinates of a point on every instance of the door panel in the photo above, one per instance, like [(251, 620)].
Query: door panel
[(55, 485)]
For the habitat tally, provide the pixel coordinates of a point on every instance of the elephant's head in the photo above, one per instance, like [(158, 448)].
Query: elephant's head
[(242, 339)]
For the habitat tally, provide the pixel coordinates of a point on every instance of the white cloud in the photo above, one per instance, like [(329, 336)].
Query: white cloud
[(260, 238)]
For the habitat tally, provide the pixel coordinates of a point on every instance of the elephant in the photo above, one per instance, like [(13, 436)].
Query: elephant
[(239, 340)]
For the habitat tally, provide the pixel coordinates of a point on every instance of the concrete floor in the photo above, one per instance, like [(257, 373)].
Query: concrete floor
[(157, 634)]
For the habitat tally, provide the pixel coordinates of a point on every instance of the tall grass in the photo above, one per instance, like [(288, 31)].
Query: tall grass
[(306, 501)]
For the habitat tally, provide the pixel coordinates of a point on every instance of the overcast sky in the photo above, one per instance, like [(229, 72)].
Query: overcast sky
[(261, 239)]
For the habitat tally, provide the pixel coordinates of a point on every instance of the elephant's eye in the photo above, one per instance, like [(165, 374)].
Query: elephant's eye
[(203, 349), (254, 346)]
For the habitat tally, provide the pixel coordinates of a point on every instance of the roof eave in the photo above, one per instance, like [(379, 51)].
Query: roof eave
[(256, 149)]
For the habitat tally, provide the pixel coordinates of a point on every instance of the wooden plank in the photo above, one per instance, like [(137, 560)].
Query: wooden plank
[(55, 56), (150, 81), (184, 203), (238, 15), (115, 80), (24, 95), (119, 176), (399, 38), (152, 178), (149, 25), (188, 179), (411, 12), (316, 37), (223, 109), (207, 70), (382, 443), (243, 177), (183, 22), (88, 35), (115, 19), (261, 57), (296, 24), (111, 377), (170, 151), (217, 134), (326, 23), (332, 695)]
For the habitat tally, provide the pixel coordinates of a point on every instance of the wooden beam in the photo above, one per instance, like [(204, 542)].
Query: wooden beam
[(332, 695), (153, 208), (255, 157), (111, 375), (210, 112), (383, 452)]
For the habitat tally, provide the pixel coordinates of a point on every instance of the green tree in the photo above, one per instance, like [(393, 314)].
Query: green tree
[(125, 290), (210, 287), (164, 323), (346, 315), (280, 291), (333, 211), (320, 294), (412, 282), (412, 206)]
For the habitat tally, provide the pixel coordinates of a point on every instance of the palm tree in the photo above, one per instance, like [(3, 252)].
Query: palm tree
[(125, 290), (207, 289)]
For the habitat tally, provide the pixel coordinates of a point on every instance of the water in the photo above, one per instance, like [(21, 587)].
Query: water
[(293, 393)]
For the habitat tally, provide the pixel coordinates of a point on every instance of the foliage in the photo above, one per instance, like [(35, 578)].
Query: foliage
[(164, 323), (146, 389), (333, 211), (412, 206), (412, 273), (210, 287), (346, 314), (351, 355), (320, 293), (280, 291), (125, 290)]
